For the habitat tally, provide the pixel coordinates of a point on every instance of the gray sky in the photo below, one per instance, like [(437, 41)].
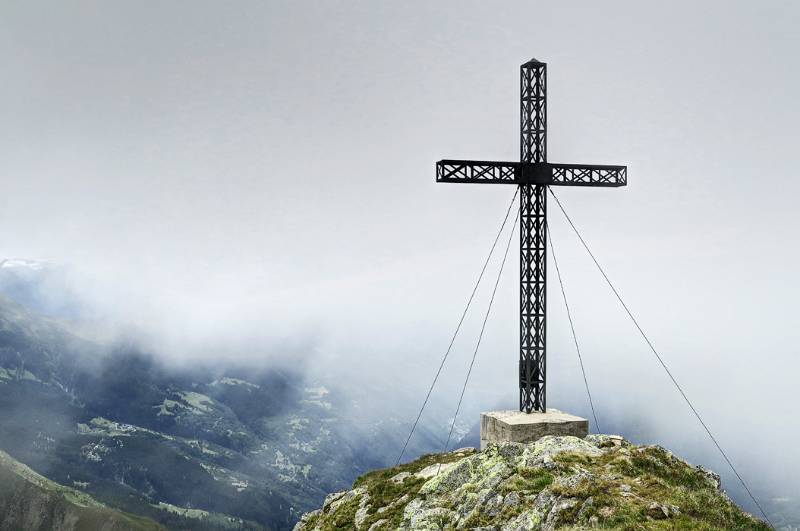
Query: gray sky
[(266, 169)]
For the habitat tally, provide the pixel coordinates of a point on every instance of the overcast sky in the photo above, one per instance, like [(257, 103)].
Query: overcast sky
[(226, 171)]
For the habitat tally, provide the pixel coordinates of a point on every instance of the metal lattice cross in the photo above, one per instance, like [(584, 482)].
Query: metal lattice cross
[(533, 174)]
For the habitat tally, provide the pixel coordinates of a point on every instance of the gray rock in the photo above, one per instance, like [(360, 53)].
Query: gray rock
[(512, 500), (433, 519), (573, 480), (481, 471), (493, 505), (468, 505), (377, 525), (559, 506), (543, 501), (412, 508), (301, 525), (495, 475), (361, 515), (606, 441), (525, 521), (464, 450), (541, 452), (483, 501), (434, 470), (363, 510), (659, 511), (508, 450), (399, 478), (400, 501), (712, 478), (332, 497), (588, 503), (343, 498)]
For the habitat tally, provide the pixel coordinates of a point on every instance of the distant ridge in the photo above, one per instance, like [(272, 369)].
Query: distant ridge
[(32, 502)]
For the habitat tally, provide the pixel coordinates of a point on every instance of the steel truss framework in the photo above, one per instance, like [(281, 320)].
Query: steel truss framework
[(533, 174), (478, 171)]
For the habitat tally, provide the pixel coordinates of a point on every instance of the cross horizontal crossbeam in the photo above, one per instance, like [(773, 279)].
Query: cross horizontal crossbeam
[(492, 172)]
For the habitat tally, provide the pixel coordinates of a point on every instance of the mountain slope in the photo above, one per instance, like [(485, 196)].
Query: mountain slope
[(32, 502), (195, 447), (553, 483)]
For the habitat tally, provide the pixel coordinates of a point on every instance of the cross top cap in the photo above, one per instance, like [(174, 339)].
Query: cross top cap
[(533, 61)]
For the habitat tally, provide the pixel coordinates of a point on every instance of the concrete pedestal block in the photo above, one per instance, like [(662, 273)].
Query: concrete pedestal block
[(518, 426)]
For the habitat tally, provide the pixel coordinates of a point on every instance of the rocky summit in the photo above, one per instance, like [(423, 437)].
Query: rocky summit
[(557, 482)]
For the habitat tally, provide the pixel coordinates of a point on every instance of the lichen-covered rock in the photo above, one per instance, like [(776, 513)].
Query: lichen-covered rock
[(313, 516), (401, 477), (437, 469), (363, 511), (380, 524), (528, 519), (332, 497), (712, 477), (542, 451), (555, 482)]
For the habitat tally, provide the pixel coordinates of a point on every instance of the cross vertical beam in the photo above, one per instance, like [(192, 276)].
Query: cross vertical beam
[(533, 242)]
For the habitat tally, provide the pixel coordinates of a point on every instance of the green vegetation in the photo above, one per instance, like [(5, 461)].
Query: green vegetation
[(382, 475), (527, 481), (383, 493), (623, 500)]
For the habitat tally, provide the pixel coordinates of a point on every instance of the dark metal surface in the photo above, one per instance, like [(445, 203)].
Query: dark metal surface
[(533, 174), (477, 171), (490, 172), (588, 175), (533, 240), (532, 298)]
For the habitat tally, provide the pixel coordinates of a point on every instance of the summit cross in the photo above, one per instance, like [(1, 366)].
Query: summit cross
[(533, 174)]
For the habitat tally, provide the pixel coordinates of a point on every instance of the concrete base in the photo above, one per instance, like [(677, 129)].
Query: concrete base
[(517, 426)]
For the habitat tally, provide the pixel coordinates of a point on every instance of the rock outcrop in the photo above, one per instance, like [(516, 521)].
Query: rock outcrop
[(555, 482)]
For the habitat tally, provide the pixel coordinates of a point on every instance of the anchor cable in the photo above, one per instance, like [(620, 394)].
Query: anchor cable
[(661, 361), (458, 327), (572, 325), (480, 336)]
